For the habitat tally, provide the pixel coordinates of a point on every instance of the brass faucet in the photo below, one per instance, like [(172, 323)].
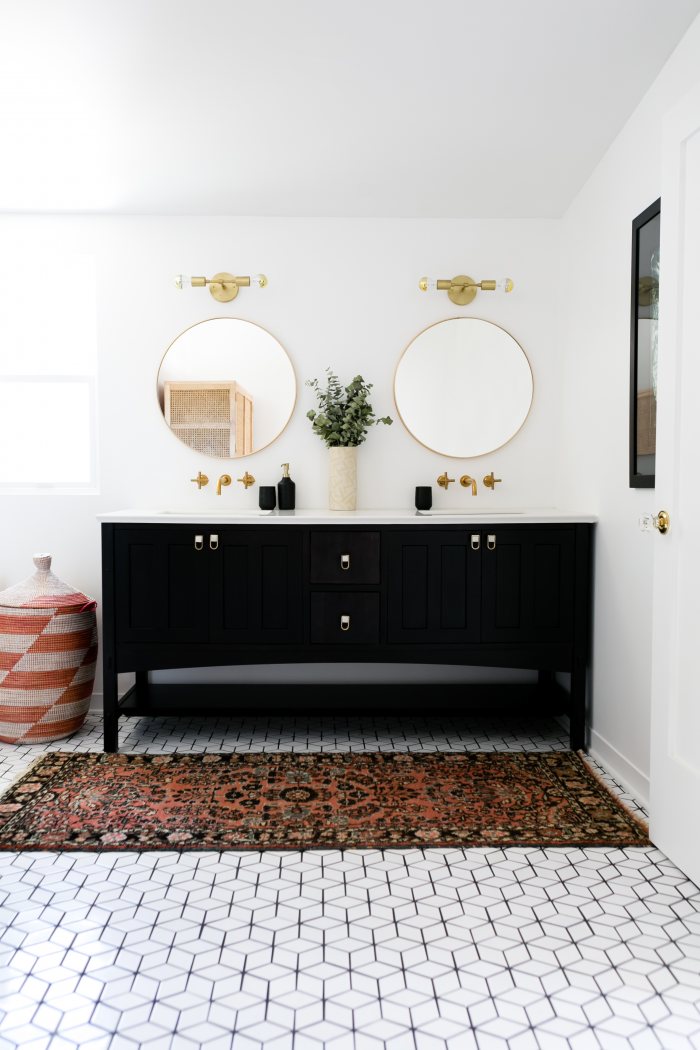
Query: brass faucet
[(491, 482), (225, 479), (443, 481), (247, 480), (200, 481), (466, 481)]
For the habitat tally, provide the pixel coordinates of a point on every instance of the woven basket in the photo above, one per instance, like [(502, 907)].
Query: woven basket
[(48, 651)]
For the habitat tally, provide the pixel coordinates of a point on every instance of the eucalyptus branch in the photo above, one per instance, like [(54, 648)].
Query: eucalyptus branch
[(344, 412)]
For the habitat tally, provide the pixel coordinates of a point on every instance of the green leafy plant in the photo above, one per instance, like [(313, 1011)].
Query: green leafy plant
[(344, 413)]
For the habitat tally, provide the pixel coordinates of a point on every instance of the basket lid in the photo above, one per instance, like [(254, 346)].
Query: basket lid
[(43, 590)]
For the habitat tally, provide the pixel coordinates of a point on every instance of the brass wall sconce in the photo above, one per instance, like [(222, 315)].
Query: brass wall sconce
[(222, 286), (462, 289)]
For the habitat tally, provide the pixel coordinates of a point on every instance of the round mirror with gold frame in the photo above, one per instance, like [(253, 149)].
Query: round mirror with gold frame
[(463, 387), (226, 387)]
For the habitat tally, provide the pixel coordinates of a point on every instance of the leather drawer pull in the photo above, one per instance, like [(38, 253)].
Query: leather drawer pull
[(345, 623), (199, 543), (491, 541), (213, 542), (476, 541), (345, 561)]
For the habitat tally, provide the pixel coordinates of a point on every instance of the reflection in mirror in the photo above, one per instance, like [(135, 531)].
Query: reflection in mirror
[(226, 387), (646, 229), (463, 387)]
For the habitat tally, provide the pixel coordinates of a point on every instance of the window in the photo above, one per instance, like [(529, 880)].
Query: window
[(48, 359)]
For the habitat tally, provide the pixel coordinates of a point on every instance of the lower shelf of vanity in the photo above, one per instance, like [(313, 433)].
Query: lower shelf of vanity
[(149, 699)]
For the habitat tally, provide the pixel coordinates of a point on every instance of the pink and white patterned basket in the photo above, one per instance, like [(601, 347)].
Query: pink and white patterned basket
[(48, 654)]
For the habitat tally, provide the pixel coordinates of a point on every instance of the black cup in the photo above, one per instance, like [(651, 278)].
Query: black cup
[(267, 497), (424, 497)]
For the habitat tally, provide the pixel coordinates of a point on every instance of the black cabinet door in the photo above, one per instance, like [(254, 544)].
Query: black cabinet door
[(527, 584), (434, 587), (162, 585), (256, 587)]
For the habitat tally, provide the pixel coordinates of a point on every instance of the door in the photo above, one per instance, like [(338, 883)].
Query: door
[(434, 586), (256, 587), (162, 587), (527, 585), (675, 729)]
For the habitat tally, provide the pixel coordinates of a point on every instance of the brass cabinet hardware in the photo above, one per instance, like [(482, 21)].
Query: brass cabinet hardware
[(225, 479), (344, 623), (345, 562), (490, 482), (199, 543), (213, 542), (443, 481), (247, 480), (491, 541), (465, 481), (662, 522), (201, 480), (476, 541)]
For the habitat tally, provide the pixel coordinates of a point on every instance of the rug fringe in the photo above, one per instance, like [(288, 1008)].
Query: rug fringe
[(641, 823), (37, 760)]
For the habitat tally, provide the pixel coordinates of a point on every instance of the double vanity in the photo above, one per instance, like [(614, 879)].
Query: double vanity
[(508, 589)]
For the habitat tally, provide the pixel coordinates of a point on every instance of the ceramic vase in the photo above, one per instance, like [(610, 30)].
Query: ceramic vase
[(342, 478)]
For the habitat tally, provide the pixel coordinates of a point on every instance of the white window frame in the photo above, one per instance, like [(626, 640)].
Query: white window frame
[(60, 488), (86, 263)]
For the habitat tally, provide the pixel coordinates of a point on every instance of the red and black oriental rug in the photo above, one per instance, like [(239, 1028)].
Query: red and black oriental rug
[(368, 800)]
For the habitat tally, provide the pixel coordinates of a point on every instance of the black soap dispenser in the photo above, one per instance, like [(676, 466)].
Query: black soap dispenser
[(286, 490)]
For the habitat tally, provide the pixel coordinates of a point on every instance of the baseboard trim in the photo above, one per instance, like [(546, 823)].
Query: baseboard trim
[(621, 768)]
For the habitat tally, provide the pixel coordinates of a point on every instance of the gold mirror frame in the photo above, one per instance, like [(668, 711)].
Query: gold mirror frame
[(284, 426), (449, 455)]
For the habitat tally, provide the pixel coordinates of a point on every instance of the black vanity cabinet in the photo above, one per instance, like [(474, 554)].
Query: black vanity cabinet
[(495, 595)]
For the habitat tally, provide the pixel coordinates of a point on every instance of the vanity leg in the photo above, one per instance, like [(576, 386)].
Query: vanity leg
[(142, 686), (111, 713), (577, 709)]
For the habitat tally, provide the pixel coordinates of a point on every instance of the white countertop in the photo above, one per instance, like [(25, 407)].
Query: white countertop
[(233, 516)]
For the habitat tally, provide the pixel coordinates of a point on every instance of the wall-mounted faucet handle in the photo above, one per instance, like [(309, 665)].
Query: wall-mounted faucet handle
[(247, 480), (201, 480), (491, 482), (225, 479), (443, 481), (465, 481)]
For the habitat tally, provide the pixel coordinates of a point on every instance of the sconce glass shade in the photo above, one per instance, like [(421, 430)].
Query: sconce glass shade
[(504, 284), (181, 281)]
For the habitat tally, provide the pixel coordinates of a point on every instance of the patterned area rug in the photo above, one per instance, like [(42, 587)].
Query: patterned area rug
[(369, 800)]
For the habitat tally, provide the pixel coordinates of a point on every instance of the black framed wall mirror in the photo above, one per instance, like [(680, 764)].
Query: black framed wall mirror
[(644, 340)]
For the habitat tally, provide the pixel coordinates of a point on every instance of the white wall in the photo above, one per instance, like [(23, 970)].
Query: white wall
[(341, 293), (596, 245)]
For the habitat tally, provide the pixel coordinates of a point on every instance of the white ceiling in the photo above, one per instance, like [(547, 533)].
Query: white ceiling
[(319, 107)]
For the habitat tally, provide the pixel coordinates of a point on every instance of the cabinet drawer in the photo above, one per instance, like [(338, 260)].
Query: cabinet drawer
[(345, 557), (345, 619)]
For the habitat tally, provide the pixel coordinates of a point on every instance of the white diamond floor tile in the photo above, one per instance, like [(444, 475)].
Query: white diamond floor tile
[(436, 949)]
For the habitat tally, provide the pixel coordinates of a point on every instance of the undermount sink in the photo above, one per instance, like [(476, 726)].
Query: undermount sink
[(483, 512), (221, 513)]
